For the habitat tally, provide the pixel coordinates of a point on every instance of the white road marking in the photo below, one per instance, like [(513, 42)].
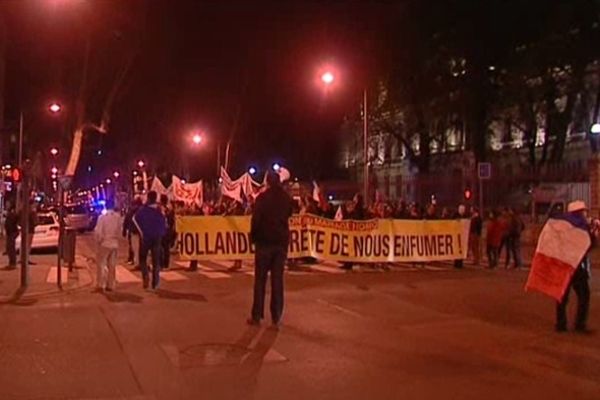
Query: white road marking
[(340, 308), (126, 276), (172, 276), (213, 274)]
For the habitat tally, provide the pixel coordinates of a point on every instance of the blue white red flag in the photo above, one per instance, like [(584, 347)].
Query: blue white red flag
[(562, 245)]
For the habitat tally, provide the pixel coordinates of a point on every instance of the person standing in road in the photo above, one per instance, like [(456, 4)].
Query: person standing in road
[(152, 226), (11, 226), (107, 232), (475, 235), (577, 211), (169, 238), (460, 214), (131, 233), (270, 234), (513, 242), (493, 239)]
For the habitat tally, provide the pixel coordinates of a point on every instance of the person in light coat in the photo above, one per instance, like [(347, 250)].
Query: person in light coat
[(107, 233)]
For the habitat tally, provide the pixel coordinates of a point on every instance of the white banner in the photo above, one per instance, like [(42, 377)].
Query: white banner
[(189, 193)]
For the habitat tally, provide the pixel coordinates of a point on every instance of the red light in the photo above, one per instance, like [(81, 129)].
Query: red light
[(16, 175), (468, 194)]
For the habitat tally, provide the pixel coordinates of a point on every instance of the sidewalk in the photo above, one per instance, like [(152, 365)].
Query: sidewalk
[(42, 279)]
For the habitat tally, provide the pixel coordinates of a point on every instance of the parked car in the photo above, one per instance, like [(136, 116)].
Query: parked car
[(78, 217), (46, 232)]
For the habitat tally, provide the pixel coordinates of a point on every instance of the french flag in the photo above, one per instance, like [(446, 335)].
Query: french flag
[(561, 247)]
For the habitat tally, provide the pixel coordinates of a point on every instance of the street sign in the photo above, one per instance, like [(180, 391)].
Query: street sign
[(484, 170)]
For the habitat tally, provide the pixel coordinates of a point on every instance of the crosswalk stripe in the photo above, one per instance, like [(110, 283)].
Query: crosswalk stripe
[(172, 276), (213, 274), (327, 269), (51, 277), (126, 276)]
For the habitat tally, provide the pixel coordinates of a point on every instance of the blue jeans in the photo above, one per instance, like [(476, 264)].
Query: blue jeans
[(154, 246)]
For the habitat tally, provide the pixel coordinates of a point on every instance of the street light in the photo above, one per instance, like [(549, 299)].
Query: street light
[(54, 170), (116, 174), (54, 108), (252, 170), (595, 129), (54, 151), (141, 164), (328, 78), (108, 181), (276, 167), (197, 138)]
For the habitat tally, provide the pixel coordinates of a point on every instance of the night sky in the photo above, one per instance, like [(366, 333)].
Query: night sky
[(195, 65)]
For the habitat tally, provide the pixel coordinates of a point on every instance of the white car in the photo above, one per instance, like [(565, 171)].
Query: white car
[(46, 233)]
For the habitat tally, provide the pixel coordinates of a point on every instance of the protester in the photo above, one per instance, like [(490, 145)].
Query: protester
[(513, 238), (270, 234), (460, 214), (107, 232), (475, 235), (170, 235), (577, 212), (493, 239), (430, 212), (130, 232), (504, 221), (151, 225), (11, 226), (355, 210)]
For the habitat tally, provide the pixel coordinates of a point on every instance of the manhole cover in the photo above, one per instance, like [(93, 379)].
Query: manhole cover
[(212, 354)]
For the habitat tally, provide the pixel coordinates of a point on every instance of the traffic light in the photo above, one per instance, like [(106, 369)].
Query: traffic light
[(16, 175), (468, 194)]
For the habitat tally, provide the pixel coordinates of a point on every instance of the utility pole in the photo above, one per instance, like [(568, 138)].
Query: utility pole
[(25, 211), (366, 149)]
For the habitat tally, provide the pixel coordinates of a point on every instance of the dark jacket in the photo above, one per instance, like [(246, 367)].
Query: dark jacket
[(269, 225), (151, 223), (128, 225), (11, 225), (476, 225)]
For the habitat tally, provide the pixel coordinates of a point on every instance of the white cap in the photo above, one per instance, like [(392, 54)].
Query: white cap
[(576, 205)]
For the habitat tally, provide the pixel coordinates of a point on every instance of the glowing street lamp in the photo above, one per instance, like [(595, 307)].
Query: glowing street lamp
[(328, 78), (276, 167), (54, 151), (595, 129), (197, 138), (54, 170), (252, 170), (141, 164), (54, 108), (108, 181), (116, 174)]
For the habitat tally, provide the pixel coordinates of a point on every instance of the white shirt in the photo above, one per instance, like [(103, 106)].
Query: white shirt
[(108, 229)]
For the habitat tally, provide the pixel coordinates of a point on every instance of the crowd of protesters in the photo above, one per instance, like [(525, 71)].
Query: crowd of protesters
[(150, 227)]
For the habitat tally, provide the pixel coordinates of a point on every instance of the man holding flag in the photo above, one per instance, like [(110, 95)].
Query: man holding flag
[(561, 262)]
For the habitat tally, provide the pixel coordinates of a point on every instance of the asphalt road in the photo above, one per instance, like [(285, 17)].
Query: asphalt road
[(411, 333)]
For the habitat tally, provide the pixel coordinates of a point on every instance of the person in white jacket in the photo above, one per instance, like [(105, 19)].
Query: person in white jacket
[(107, 233)]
